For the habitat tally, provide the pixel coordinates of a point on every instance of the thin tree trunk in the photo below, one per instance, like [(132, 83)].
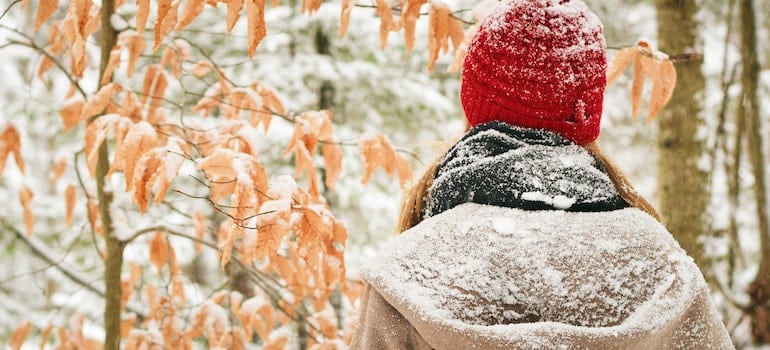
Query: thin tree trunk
[(114, 254), (759, 290), (683, 192)]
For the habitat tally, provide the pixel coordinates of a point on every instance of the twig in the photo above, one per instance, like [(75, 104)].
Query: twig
[(31, 44), (9, 8), (42, 252)]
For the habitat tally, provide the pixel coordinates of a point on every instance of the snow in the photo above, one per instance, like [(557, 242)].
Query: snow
[(515, 270)]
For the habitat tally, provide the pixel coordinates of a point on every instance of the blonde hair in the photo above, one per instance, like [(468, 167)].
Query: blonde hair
[(415, 196)]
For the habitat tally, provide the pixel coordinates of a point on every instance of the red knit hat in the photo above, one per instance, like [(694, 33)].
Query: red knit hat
[(538, 64)]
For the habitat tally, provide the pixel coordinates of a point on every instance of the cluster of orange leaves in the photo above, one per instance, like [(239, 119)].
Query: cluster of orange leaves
[(443, 27), (275, 223), (647, 63), (71, 337)]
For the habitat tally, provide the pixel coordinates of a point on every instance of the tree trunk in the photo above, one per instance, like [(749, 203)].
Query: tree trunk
[(759, 290), (114, 254), (683, 193)]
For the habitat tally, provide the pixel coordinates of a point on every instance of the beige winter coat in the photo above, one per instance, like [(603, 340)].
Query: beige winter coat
[(487, 277)]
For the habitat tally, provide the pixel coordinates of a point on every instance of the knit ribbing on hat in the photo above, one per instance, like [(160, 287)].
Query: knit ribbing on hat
[(538, 64)]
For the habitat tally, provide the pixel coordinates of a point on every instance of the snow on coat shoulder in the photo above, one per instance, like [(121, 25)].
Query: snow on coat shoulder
[(479, 276)]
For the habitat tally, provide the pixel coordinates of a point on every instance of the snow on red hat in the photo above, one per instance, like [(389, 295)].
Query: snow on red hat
[(538, 64)]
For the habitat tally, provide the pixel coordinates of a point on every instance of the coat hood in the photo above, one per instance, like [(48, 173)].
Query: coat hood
[(489, 277)]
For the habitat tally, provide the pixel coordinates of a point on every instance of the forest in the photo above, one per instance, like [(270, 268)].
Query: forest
[(191, 174)]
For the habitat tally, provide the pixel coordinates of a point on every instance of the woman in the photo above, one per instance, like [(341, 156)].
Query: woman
[(525, 236)]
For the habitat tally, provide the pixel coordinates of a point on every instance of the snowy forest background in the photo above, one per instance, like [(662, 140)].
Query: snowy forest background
[(702, 162)]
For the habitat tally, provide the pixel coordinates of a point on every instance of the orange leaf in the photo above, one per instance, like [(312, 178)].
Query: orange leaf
[(58, 169), (44, 12), (112, 63), (98, 102), (192, 9), (347, 6), (663, 74), (441, 28), (44, 335), (96, 133), (71, 111), (10, 143), (219, 170), (164, 14), (271, 105), (620, 62), (234, 8), (19, 335), (409, 17), (44, 66), (148, 170), (69, 199), (159, 165), (386, 20), (332, 154), (201, 68), (310, 6), (637, 87), (255, 16), (25, 197), (199, 222), (140, 138), (462, 50), (134, 42), (377, 151), (159, 250)]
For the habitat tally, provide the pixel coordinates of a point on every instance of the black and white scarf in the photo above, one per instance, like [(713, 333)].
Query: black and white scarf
[(500, 164)]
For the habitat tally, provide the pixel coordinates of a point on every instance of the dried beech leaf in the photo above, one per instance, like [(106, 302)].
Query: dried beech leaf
[(234, 8), (44, 66), (310, 6), (58, 169), (163, 14), (201, 68), (19, 335), (70, 195), (135, 46), (142, 11), (386, 20), (98, 102), (347, 7), (45, 9), (192, 10), (159, 250), (663, 82), (112, 64), (439, 29), (25, 198), (637, 87), (140, 138), (71, 111), (462, 49), (255, 16), (10, 143), (409, 17), (620, 62), (200, 224)]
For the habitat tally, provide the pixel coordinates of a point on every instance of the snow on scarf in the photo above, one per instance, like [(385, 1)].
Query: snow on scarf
[(509, 166)]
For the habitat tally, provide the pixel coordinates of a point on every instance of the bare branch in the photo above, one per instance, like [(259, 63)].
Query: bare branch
[(9, 8), (31, 44), (41, 251)]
